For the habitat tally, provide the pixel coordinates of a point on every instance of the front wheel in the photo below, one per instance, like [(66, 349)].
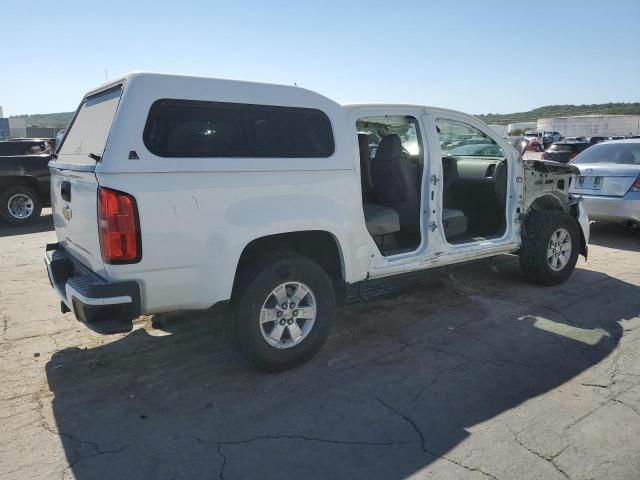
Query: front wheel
[(549, 247), (281, 311), (20, 205)]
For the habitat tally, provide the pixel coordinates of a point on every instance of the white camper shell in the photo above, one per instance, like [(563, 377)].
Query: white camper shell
[(180, 193)]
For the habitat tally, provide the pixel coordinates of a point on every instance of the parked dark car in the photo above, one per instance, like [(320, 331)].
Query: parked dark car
[(24, 179), (23, 146), (563, 151)]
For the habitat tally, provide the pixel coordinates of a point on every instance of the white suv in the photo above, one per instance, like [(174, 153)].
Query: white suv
[(181, 193)]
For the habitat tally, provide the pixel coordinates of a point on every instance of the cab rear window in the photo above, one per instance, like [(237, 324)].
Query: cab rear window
[(188, 128), (90, 128)]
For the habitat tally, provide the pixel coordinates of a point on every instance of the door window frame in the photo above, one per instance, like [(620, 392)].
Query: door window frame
[(380, 262), (514, 190)]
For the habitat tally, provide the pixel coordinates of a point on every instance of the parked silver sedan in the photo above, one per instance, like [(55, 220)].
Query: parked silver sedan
[(609, 181)]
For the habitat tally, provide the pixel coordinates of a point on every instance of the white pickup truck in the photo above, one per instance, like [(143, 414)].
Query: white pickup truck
[(181, 193)]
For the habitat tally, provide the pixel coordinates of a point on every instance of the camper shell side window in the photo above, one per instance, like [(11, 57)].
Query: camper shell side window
[(190, 128)]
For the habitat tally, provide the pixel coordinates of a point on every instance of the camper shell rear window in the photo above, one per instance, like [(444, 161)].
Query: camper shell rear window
[(191, 128), (86, 137)]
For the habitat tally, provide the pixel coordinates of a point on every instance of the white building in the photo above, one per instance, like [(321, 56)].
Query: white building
[(499, 129), (521, 126), (592, 125)]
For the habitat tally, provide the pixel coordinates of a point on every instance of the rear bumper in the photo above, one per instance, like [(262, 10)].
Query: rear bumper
[(613, 209), (103, 306)]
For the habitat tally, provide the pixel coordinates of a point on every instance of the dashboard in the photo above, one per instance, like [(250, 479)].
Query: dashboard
[(470, 169)]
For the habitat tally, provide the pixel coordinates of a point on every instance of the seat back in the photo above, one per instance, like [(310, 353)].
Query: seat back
[(395, 181), (365, 168)]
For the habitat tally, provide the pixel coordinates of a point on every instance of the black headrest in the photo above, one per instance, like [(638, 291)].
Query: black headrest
[(390, 146)]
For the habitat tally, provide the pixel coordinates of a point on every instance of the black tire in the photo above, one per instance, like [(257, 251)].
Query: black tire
[(538, 229), (254, 286), (36, 204)]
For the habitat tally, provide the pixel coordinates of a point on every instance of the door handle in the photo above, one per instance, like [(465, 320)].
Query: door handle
[(65, 191)]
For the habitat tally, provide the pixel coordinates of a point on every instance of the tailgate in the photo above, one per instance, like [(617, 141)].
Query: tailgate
[(74, 201), (74, 186)]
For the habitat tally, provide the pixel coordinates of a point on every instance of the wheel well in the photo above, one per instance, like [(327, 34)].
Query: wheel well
[(548, 202), (318, 245)]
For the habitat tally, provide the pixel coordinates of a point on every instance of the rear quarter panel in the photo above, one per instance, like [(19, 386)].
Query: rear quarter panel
[(196, 225)]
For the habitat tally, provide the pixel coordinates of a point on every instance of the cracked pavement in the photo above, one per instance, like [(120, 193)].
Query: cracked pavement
[(473, 374)]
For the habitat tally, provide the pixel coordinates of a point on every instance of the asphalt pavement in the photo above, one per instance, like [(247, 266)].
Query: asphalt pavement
[(476, 375)]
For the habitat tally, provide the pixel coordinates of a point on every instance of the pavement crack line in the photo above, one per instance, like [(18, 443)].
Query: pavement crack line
[(224, 462), (597, 385), (603, 404), (438, 375), (223, 443), (93, 455), (300, 437), (631, 407), (466, 360), (78, 444), (55, 342), (549, 459), (423, 445)]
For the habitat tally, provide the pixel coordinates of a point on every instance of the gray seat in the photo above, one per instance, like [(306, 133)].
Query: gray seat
[(395, 180), (454, 221), (380, 220)]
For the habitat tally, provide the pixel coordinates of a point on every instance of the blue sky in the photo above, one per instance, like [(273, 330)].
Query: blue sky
[(475, 56)]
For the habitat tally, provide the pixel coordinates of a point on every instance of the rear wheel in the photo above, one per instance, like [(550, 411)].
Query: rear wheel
[(20, 205), (550, 247), (281, 311)]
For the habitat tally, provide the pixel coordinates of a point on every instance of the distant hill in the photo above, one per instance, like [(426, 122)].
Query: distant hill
[(60, 120), (561, 111), (56, 120)]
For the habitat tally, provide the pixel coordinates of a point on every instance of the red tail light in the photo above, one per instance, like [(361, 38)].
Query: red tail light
[(544, 155), (119, 227), (573, 155), (635, 187)]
